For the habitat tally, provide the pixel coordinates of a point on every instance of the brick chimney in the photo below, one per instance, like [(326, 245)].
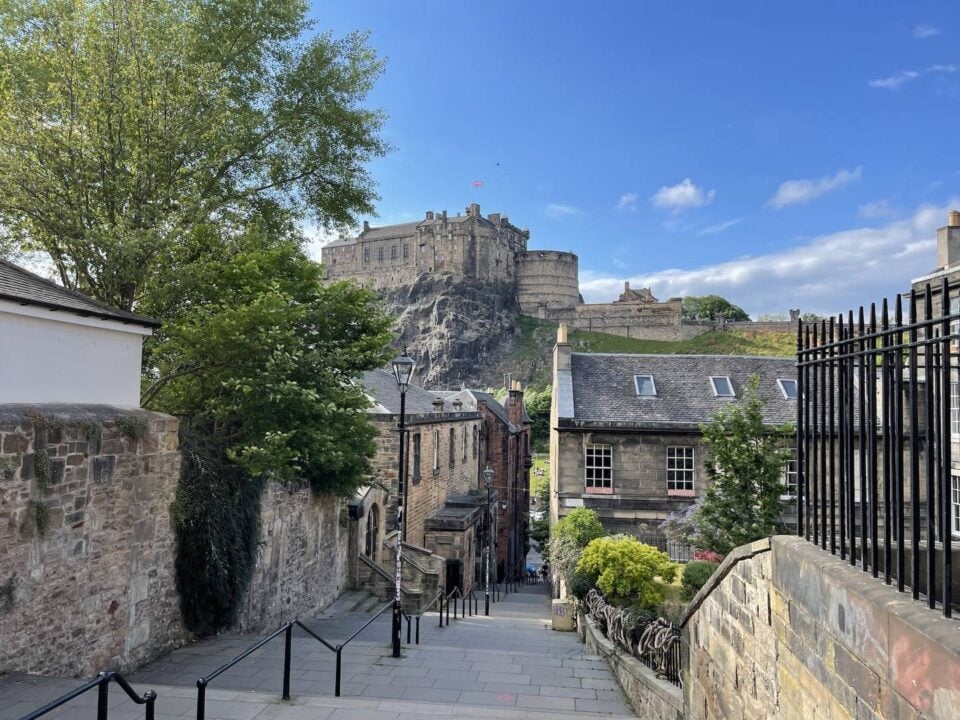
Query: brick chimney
[(515, 403), (948, 241)]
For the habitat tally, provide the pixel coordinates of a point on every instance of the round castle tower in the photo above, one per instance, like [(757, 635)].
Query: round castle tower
[(547, 279)]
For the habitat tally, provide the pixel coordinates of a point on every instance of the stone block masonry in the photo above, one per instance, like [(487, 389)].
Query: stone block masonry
[(95, 589), (785, 630)]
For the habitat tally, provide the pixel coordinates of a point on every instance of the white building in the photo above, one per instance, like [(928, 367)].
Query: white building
[(60, 346)]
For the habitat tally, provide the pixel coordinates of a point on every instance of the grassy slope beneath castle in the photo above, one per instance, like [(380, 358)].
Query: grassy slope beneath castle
[(536, 338)]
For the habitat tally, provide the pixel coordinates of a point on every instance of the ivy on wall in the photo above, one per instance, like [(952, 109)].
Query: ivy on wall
[(216, 522)]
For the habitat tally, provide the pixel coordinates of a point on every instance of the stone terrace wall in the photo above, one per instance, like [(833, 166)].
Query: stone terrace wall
[(97, 589), (785, 630), (302, 565)]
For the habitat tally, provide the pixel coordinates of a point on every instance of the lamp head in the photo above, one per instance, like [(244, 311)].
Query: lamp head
[(488, 476), (403, 370)]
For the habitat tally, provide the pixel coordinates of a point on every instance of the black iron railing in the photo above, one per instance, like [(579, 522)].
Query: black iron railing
[(659, 649), (102, 683), (678, 552), (287, 632), (877, 413)]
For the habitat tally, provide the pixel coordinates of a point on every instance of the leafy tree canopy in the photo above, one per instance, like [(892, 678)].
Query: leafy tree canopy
[(127, 125), (538, 408), (710, 306), (746, 460), (580, 525)]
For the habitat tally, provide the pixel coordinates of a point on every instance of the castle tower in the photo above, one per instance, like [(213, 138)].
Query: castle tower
[(547, 279)]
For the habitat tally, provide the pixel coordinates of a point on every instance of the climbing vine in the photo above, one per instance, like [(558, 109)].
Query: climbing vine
[(216, 520)]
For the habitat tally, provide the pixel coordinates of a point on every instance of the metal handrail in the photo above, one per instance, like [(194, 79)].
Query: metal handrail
[(422, 613), (287, 631), (102, 682)]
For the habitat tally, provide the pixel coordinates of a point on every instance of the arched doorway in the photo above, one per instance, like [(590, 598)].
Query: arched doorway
[(373, 533)]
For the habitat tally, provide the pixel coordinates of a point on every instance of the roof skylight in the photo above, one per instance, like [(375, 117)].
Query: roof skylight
[(722, 387), (645, 385)]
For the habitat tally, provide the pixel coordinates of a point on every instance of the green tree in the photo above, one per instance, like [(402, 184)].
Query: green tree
[(538, 408), (581, 525), (127, 125), (626, 571), (710, 306), (745, 463)]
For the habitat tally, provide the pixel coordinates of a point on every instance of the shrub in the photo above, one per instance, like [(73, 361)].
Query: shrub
[(626, 571), (708, 555), (580, 525), (580, 584), (695, 576), (564, 554)]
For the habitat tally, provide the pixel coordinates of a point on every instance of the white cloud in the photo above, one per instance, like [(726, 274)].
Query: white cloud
[(925, 31), (681, 196), (797, 192), (719, 227), (317, 237), (876, 210), (828, 274), (628, 201), (557, 210), (897, 80)]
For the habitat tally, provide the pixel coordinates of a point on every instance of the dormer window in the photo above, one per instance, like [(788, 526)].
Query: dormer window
[(722, 387), (645, 385), (788, 387)]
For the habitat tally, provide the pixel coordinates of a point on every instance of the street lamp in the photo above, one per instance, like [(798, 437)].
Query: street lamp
[(402, 370), (488, 483)]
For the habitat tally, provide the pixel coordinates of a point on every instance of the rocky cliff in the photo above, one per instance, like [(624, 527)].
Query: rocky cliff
[(458, 330)]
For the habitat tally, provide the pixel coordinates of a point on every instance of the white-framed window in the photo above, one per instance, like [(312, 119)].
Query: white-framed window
[(722, 387), (788, 387), (789, 479), (955, 410), (680, 471), (598, 469), (954, 324), (955, 504), (436, 451), (645, 385)]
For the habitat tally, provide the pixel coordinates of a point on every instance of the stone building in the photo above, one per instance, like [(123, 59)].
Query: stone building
[(543, 283), (443, 508), (625, 436), (505, 446)]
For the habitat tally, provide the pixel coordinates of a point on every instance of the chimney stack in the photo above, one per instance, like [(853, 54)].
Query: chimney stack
[(438, 405), (429, 214), (515, 403), (948, 242), (626, 286), (474, 210), (366, 225)]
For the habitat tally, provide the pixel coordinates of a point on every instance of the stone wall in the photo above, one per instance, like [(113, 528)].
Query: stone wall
[(547, 279), (96, 589), (650, 697), (302, 562), (785, 630), (647, 321)]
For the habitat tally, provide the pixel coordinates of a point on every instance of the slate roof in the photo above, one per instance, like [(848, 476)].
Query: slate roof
[(381, 386), (25, 288), (603, 388)]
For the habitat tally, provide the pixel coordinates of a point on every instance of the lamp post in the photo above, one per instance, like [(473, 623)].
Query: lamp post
[(488, 483), (402, 370)]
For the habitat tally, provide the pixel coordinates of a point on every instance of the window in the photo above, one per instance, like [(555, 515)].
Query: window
[(645, 385), (436, 451), (955, 504), (722, 387), (955, 410), (380, 254), (416, 457), (789, 479), (788, 387), (476, 439), (599, 469), (954, 324), (453, 448), (406, 251), (366, 254), (680, 474), (463, 443), (393, 252)]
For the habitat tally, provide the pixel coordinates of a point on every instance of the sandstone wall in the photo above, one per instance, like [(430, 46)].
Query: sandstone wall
[(96, 589), (785, 630), (302, 562), (647, 321), (547, 279)]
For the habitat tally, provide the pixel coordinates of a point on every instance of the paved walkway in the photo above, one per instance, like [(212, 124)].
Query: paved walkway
[(508, 665)]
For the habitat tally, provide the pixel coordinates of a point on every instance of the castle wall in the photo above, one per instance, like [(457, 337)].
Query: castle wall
[(649, 321), (547, 279)]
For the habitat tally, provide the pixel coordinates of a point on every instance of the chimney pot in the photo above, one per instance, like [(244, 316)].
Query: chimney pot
[(953, 218)]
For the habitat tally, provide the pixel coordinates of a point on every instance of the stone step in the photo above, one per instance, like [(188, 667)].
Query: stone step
[(345, 603), (243, 705), (369, 605)]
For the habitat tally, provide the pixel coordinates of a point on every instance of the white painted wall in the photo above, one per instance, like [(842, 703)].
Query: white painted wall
[(59, 357)]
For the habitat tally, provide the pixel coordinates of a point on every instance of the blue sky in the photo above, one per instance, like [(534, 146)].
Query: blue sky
[(779, 154)]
